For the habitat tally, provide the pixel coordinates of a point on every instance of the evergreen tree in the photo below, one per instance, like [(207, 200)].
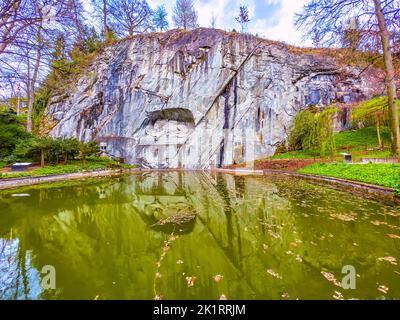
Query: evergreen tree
[(160, 20)]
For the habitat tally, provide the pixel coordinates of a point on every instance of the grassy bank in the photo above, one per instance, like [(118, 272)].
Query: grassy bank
[(382, 174), (361, 143), (71, 167)]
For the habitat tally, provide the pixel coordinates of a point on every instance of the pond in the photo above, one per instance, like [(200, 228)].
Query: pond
[(196, 235)]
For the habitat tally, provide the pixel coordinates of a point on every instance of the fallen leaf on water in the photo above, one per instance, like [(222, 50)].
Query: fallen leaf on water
[(377, 223), (274, 274), (223, 297), (393, 236), (331, 278), (338, 295), (218, 278), (383, 288), (391, 260), (273, 234), (190, 281), (344, 217)]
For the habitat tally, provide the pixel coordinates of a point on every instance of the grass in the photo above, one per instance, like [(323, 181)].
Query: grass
[(361, 139), (360, 143), (296, 155), (71, 167), (382, 174)]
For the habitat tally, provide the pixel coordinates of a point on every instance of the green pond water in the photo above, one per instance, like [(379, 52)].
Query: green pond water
[(175, 235)]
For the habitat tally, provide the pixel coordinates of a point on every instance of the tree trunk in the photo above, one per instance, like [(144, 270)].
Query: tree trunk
[(31, 98), (105, 20), (390, 83), (378, 131), (42, 158)]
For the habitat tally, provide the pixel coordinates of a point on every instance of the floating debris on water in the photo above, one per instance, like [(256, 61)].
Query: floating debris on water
[(391, 260), (191, 281), (274, 274), (331, 278)]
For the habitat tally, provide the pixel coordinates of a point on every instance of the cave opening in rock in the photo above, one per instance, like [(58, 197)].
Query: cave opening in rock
[(165, 131)]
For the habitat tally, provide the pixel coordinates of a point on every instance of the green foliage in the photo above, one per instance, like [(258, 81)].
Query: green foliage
[(12, 132), (313, 131), (42, 97), (53, 149), (382, 174), (302, 135), (92, 42), (366, 112), (87, 149)]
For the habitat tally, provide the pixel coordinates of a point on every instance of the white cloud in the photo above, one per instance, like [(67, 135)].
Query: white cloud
[(284, 30)]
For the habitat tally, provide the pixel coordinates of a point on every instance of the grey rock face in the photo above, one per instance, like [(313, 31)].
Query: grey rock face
[(201, 98)]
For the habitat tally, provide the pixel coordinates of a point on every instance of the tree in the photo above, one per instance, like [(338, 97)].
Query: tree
[(128, 17), (184, 14), (352, 35), (372, 112), (25, 55), (327, 19), (102, 11), (160, 20), (213, 21), (69, 148), (87, 149), (243, 17), (11, 133), (390, 79)]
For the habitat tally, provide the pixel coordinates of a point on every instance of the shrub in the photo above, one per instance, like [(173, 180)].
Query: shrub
[(313, 131), (12, 132)]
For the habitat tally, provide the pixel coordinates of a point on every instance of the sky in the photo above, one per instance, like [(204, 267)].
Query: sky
[(272, 19)]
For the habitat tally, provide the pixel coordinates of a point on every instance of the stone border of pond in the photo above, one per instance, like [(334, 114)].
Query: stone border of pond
[(25, 181)]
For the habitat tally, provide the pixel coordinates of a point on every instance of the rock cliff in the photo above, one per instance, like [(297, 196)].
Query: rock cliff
[(201, 98)]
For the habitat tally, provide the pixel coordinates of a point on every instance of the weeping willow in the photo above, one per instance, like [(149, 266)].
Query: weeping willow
[(313, 131)]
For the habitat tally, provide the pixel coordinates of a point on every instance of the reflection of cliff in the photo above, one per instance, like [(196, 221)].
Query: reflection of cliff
[(262, 235)]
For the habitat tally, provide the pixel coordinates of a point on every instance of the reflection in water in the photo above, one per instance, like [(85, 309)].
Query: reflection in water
[(176, 235)]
